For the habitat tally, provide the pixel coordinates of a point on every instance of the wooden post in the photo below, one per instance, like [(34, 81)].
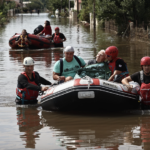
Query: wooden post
[(94, 20), (21, 11), (77, 10)]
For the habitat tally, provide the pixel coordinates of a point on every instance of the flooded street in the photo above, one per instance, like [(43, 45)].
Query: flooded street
[(33, 128)]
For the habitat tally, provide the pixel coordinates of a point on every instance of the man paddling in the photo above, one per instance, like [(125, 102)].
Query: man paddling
[(143, 78), (29, 84), (117, 65), (66, 68)]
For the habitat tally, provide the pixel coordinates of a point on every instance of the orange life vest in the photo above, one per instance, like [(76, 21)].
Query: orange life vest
[(27, 94), (112, 66), (57, 38), (144, 90)]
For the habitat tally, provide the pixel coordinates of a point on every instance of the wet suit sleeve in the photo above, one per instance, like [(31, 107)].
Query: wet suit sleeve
[(62, 36), (120, 65), (23, 82), (44, 81), (136, 77)]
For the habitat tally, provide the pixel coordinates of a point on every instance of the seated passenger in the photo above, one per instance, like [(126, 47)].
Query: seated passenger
[(66, 68), (143, 78), (100, 57), (117, 65), (23, 40), (47, 31), (29, 81), (58, 38)]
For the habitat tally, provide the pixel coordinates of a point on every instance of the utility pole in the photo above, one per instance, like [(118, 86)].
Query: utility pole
[(21, 11), (94, 21), (77, 10), (61, 5)]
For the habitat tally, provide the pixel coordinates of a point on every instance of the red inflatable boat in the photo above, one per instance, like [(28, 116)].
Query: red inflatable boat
[(37, 42)]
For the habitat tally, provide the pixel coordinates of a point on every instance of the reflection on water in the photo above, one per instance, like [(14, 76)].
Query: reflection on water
[(30, 128), (28, 121), (95, 131)]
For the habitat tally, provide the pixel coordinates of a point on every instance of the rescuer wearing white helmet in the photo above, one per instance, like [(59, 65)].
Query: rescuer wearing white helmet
[(66, 68), (29, 81)]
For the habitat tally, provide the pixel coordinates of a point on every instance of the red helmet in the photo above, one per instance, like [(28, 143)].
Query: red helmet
[(112, 51), (57, 28), (145, 61)]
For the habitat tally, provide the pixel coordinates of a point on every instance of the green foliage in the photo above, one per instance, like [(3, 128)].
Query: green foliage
[(52, 5), (86, 9), (123, 11), (35, 4), (3, 20)]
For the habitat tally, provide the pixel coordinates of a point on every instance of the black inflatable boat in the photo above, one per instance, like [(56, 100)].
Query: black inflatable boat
[(90, 94)]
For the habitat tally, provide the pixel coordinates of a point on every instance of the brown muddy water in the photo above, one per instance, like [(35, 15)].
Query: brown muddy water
[(32, 128)]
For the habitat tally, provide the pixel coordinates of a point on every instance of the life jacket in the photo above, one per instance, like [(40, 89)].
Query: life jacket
[(57, 38), (27, 94), (112, 66), (144, 90), (22, 43)]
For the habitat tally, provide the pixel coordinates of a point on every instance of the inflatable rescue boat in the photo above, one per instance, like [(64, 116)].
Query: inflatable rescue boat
[(90, 93), (38, 42)]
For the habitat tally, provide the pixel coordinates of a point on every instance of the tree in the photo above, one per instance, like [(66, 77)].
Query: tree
[(35, 4), (52, 5), (123, 11), (87, 7)]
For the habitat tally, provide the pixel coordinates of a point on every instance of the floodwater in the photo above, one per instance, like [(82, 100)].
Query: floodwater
[(33, 128)]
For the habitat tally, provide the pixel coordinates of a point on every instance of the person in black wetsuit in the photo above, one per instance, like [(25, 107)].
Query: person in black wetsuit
[(58, 38), (136, 77), (29, 84), (117, 65), (143, 78)]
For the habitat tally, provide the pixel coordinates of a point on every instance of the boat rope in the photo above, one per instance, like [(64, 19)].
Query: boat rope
[(89, 81)]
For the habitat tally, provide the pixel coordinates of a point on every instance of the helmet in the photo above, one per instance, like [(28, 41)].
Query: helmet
[(57, 28), (28, 61), (145, 61), (69, 49), (112, 51)]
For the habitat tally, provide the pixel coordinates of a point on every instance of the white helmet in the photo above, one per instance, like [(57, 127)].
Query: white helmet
[(69, 49), (28, 61)]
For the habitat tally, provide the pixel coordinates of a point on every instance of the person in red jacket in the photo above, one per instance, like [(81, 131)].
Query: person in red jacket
[(117, 65), (28, 86), (47, 31)]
